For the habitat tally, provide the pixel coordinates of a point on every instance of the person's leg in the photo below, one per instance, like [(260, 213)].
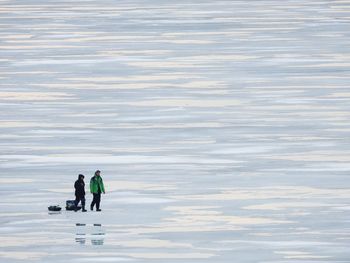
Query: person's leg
[(98, 200), (83, 204), (76, 201), (93, 202)]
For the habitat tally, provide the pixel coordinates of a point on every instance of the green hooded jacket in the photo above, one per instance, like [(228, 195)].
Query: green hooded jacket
[(95, 182)]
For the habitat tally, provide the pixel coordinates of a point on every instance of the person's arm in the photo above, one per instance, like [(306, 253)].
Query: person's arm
[(102, 187), (91, 185)]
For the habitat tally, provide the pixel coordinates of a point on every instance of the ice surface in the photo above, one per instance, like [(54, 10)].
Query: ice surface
[(221, 129)]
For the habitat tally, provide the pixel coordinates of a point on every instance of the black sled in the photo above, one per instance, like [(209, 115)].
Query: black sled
[(54, 208)]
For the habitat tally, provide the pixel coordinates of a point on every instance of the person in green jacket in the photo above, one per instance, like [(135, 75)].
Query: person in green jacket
[(96, 188)]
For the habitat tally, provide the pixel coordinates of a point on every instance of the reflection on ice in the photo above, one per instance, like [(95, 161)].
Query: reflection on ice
[(22, 255), (300, 255), (93, 232), (80, 240), (54, 212), (285, 192), (97, 241)]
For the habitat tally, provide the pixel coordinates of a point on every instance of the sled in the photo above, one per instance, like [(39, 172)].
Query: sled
[(70, 205), (54, 208)]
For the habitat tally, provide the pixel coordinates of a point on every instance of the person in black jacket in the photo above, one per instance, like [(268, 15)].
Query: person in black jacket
[(79, 186)]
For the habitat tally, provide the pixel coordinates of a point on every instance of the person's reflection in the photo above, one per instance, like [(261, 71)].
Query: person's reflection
[(97, 235), (97, 242), (80, 240), (83, 232), (80, 235)]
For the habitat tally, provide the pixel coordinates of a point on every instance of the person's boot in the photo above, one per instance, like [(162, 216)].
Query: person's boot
[(98, 210), (83, 209), (91, 208)]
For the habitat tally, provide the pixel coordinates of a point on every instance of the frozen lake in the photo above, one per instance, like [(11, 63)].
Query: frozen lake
[(221, 129)]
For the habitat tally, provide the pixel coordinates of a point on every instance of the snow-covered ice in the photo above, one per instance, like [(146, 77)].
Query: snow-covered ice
[(221, 129)]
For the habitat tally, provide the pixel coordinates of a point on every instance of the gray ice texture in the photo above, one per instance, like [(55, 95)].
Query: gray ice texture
[(221, 129)]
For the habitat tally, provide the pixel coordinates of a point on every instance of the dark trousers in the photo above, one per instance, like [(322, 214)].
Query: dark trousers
[(78, 199), (96, 200)]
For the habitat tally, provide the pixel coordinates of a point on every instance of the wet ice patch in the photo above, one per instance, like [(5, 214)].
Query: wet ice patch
[(197, 215), (277, 206), (140, 200), (22, 255), (34, 96), (138, 242), (103, 259), (286, 192), (5, 180), (300, 255), (37, 221), (134, 185), (83, 159)]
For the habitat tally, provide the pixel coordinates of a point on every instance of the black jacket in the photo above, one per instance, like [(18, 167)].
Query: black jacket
[(79, 186)]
